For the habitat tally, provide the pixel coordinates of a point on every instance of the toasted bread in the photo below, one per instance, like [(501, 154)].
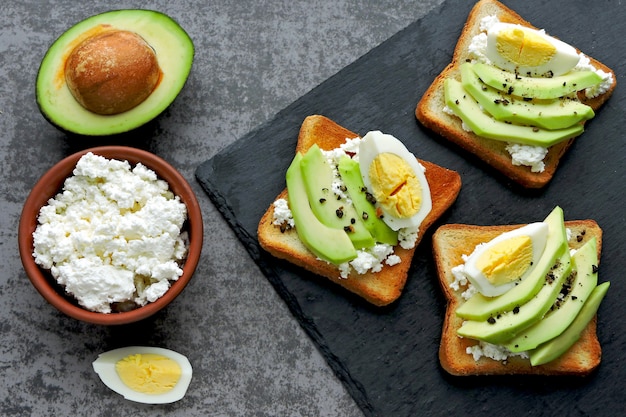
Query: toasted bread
[(430, 113), (452, 241), (379, 288)]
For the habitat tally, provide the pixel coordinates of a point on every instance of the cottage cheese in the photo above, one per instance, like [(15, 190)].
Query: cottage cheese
[(370, 259), (528, 155), (282, 213), (607, 77), (112, 235), (495, 352)]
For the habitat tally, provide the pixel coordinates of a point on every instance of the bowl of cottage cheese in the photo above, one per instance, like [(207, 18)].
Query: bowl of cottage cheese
[(110, 235)]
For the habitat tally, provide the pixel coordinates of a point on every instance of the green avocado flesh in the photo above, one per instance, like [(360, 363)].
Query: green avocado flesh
[(557, 346), (504, 326), (318, 177), (536, 87), (535, 111), (174, 51), (351, 175), (332, 245), (563, 312), (482, 124), (551, 114), (479, 307)]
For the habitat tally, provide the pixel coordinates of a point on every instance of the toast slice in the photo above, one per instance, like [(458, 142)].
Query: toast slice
[(430, 109), (450, 242), (379, 288)]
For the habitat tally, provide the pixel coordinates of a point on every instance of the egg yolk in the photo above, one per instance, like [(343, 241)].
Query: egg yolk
[(149, 373), (395, 186), (506, 261), (524, 47)]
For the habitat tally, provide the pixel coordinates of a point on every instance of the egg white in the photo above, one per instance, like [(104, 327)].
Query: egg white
[(104, 366), (538, 233), (376, 142), (565, 58)]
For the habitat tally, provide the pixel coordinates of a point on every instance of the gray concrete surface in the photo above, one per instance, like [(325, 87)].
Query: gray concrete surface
[(250, 356)]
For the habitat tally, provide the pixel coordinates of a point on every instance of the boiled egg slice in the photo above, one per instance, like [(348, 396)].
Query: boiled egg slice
[(396, 180), (500, 264), (529, 52), (148, 375)]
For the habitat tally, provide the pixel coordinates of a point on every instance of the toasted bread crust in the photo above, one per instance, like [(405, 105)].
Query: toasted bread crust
[(450, 242), (429, 110), (381, 288)]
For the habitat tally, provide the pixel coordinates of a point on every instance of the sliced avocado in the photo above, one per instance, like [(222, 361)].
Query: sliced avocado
[(554, 348), (172, 46), (479, 307), (334, 212), (584, 280), (549, 114), (536, 87), (332, 245), (351, 175), (482, 124), (502, 327)]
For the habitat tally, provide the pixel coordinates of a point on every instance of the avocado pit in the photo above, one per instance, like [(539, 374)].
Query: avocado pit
[(112, 72), (126, 96)]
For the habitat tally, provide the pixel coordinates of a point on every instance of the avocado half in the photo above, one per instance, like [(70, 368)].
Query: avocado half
[(174, 51)]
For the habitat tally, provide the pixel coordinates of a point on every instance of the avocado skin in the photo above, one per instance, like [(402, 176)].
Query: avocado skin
[(558, 113), (480, 307), (351, 176), (332, 245), (482, 124), (61, 110), (555, 347), (557, 320), (317, 175)]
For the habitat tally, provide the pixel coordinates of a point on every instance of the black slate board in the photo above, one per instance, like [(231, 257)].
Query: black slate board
[(387, 357)]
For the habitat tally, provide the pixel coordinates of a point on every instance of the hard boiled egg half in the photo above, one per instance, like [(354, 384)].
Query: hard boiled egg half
[(148, 375), (528, 52), (396, 179), (498, 265)]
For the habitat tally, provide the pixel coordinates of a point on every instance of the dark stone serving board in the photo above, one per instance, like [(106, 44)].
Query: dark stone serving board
[(387, 358)]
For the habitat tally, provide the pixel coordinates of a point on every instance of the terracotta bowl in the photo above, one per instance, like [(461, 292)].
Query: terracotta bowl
[(50, 184)]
